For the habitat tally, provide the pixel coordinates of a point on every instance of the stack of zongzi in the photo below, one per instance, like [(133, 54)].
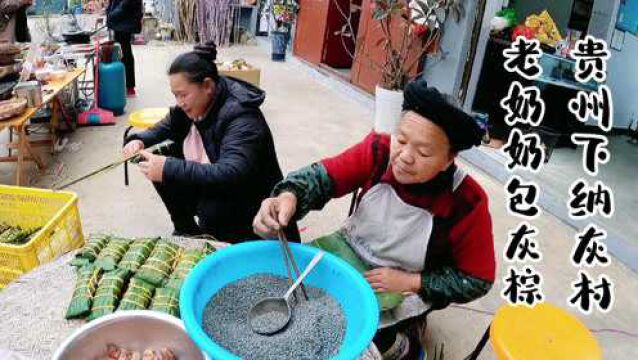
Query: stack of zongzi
[(136, 255), (91, 250), (108, 293), (87, 282), (186, 262), (159, 265), (15, 235), (166, 300), (111, 255), (138, 295)]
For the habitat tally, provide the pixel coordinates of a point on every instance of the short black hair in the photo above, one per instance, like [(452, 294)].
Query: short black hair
[(197, 65)]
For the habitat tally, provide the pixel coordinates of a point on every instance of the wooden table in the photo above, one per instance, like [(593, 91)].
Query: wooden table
[(19, 125)]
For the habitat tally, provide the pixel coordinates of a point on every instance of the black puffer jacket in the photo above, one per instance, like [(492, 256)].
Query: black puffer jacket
[(125, 15), (238, 142)]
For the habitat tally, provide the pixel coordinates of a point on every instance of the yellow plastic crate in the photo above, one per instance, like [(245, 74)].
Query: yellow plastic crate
[(55, 212)]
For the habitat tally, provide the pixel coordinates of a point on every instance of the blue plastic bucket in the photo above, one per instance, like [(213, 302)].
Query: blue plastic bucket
[(236, 262)]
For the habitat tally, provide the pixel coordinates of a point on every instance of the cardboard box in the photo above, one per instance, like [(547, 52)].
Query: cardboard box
[(252, 75)]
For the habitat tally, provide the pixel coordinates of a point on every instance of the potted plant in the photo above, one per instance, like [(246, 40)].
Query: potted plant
[(405, 25), (284, 13)]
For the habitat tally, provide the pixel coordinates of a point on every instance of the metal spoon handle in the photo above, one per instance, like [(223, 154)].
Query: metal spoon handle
[(285, 255), (284, 239), (308, 269)]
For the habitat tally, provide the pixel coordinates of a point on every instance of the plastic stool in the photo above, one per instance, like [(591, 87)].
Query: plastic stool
[(542, 332), (142, 119)]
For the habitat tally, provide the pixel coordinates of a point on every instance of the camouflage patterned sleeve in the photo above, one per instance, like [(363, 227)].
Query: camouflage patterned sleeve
[(311, 185), (448, 285)]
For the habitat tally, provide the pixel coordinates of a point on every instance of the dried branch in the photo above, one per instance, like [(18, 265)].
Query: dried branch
[(397, 62), (348, 24)]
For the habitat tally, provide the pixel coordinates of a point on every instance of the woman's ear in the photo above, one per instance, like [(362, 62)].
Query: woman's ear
[(209, 86)]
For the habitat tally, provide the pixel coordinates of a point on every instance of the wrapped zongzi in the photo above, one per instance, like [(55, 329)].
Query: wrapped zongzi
[(94, 244), (166, 300), (185, 263), (159, 265), (85, 286), (108, 293), (138, 295), (111, 255), (137, 253)]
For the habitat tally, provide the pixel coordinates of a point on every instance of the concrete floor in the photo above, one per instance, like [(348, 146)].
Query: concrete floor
[(565, 166), (312, 117), (620, 174)]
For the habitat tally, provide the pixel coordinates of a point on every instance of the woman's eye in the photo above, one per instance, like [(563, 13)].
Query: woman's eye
[(401, 141)]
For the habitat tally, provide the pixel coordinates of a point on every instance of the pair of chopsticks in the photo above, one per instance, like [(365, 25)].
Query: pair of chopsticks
[(288, 258)]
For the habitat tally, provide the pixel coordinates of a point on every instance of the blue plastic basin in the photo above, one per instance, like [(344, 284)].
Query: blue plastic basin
[(236, 262)]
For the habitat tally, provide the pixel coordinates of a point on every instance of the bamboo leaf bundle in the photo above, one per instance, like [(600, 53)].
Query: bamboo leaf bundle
[(159, 264), (137, 253), (85, 287), (185, 263), (138, 295), (108, 293), (166, 300), (110, 256), (94, 244), (16, 235)]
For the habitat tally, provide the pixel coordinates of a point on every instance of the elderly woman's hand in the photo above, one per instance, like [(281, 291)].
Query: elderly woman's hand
[(152, 166), (393, 280), (275, 214)]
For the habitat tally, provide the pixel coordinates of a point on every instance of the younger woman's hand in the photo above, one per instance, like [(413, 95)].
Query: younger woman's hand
[(152, 166), (132, 147)]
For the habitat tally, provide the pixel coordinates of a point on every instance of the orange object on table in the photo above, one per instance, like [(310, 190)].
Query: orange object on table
[(20, 122), (543, 332)]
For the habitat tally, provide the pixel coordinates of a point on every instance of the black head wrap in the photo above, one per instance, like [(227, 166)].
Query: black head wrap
[(460, 128)]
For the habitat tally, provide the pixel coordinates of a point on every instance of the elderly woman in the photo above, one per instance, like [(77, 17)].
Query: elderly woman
[(223, 163), (422, 226)]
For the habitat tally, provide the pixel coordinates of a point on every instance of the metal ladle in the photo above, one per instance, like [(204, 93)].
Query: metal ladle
[(273, 314)]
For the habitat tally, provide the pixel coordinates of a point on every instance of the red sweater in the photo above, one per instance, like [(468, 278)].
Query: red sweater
[(462, 232)]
